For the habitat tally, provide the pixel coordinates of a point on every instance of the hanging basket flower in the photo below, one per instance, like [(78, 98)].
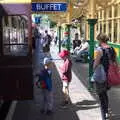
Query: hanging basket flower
[(66, 33)]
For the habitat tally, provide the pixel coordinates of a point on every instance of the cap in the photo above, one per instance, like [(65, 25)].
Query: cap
[(47, 60), (64, 53)]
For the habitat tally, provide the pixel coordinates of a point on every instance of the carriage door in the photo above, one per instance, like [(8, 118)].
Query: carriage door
[(15, 61)]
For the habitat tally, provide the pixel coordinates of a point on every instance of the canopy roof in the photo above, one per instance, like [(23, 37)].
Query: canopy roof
[(76, 8)]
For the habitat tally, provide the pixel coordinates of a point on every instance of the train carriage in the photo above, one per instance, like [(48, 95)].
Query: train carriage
[(16, 81)]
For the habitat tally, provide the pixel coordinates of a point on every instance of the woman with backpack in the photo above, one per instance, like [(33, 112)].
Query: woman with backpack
[(104, 53)]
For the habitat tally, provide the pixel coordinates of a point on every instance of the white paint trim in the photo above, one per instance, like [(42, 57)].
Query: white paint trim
[(11, 111)]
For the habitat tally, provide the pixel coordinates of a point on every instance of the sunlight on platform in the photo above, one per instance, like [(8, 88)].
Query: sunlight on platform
[(85, 104)]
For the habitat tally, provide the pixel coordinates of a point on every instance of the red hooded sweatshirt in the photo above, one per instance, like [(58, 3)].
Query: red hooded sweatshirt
[(66, 70)]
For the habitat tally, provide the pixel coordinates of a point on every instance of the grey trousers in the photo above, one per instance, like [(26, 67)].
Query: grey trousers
[(47, 100)]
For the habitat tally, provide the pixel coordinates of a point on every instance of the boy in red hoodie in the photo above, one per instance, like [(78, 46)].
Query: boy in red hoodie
[(66, 74)]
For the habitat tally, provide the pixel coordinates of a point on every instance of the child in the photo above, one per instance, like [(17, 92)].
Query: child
[(46, 86), (66, 74)]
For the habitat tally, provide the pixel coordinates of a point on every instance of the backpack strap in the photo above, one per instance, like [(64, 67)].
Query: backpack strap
[(112, 54), (105, 59)]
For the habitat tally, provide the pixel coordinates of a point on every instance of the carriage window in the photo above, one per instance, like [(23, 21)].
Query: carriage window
[(15, 39)]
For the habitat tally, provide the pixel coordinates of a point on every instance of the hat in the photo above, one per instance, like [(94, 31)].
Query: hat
[(64, 53), (47, 60)]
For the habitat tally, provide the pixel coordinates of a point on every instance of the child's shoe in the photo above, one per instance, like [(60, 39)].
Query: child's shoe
[(49, 112)]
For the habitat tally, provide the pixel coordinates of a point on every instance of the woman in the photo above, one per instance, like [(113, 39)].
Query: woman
[(104, 53)]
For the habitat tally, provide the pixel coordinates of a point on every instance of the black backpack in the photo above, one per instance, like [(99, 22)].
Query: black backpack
[(108, 54)]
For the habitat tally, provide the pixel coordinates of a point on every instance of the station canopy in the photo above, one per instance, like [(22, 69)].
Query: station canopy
[(58, 16), (75, 8)]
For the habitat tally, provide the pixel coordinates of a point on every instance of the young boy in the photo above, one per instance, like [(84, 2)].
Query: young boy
[(66, 74), (46, 86)]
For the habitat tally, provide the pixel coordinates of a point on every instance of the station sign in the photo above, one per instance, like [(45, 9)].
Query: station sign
[(49, 7), (37, 20)]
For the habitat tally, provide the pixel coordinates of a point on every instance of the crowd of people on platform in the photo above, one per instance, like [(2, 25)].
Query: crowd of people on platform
[(104, 56), (45, 75), (80, 47)]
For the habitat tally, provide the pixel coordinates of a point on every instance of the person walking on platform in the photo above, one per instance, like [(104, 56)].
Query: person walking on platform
[(47, 42), (55, 40), (66, 75), (104, 54), (45, 83), (35, 37)]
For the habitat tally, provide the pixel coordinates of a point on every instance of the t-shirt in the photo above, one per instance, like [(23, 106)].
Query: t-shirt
[(97, 51), (84, 46)]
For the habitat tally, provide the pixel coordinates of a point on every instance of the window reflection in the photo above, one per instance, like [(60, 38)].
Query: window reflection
[(15, 40)]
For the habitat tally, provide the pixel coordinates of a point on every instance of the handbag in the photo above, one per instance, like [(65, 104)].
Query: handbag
[(41, 84), (99, 74), (113, 74)]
